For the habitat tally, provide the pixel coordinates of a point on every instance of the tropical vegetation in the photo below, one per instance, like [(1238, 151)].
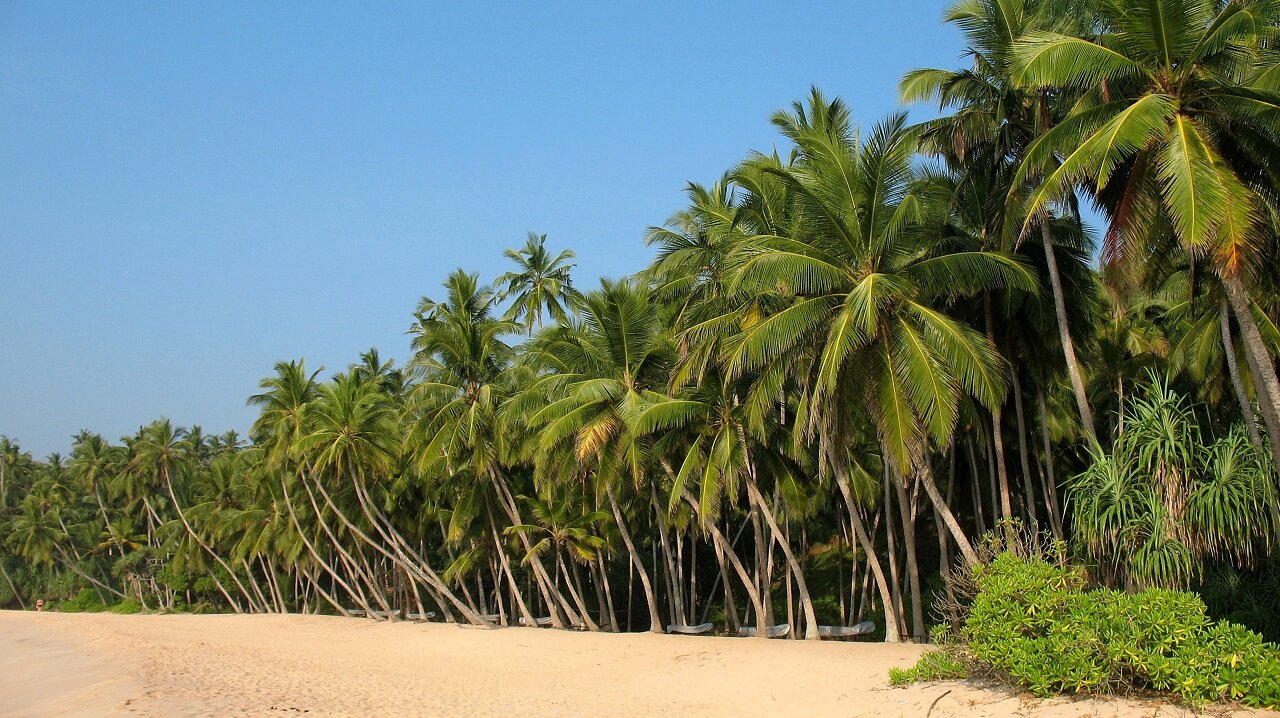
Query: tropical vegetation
[(849, 360)]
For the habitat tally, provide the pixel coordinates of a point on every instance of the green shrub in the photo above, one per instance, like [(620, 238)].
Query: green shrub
[(932, 666), (85, 601), (1033, 623), (128, 605)]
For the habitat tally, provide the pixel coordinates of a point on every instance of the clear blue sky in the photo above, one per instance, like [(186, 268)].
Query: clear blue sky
[(190, 192)]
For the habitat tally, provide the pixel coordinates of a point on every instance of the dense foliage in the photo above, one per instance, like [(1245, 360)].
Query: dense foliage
[(1032, 622), (847, 359)]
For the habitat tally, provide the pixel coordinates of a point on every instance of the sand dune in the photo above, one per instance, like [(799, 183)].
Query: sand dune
[(96, 664)]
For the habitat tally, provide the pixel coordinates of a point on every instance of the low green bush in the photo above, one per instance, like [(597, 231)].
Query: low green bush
[(932, 666), (85, 601), (1033, 623), (128, 605)]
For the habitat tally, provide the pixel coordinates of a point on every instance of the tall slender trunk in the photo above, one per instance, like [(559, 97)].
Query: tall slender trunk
[(409, 558), (1064, 332), (860, 531), (608, 594), (506, 567), (727, 552), (1260, 364), (891, 542), (555, 601), (315, 555), (924, 471), (673, 583), (168, 482), (1023, 455), (810, 615), (997, 423), (1233, 369), (913, 564), (1051, 479), (9, 581), (655, 621)]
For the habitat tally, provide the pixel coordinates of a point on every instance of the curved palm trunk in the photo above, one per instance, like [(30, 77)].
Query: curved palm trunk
[(168, 482), (924, 471), (575, 593), (655, 621), (348, 560), (315, 556), (913, 562), (1023, 454), (1064, 332), (506, 568), (551, 595), (1233, 369), (673, 584), (806, 602), (1260, 364), (868, 547), (727, 553), (997, 424), (405, 555)]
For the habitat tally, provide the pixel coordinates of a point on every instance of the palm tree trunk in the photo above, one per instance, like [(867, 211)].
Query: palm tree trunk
[(181, 515), (608, 594), (673, 589), (810, 615), (575, 593), (506, 567), (1064, 332), (550, 594), (1233, 369), (913, 564), (315, 555), (924, 470), (726, 550), (1023, 454), (1260, 364), (9, 580), (997, 423), (860, 531), (655, 621), (1051, 479)]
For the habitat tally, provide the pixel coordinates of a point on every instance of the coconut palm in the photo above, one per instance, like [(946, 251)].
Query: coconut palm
[(1173, 138), (992, 123), (542, 283), (601, 370), (864, 292)]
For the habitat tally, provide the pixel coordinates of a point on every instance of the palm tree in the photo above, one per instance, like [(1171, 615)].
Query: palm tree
[(542, 283), (993, 123), (460, 366), (862, 288), (600, 370), (1174, 139)]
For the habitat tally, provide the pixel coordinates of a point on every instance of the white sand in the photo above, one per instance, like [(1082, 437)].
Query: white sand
[(101, 664)]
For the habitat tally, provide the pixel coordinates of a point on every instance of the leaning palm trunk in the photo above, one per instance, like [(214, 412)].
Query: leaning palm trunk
[(1023, 454), (1233, 369), (810, 615), (1260, 365), (673, 583), (727, 553), (182, 515), (506, 568), (1064, 332), (405, 555), (354, 586), (913, 562), (315, 556), (924, 470), (551, 595), (868, 547), (655, 621)]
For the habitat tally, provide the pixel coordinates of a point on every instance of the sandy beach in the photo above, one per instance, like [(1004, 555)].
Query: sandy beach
[(226, 665)]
